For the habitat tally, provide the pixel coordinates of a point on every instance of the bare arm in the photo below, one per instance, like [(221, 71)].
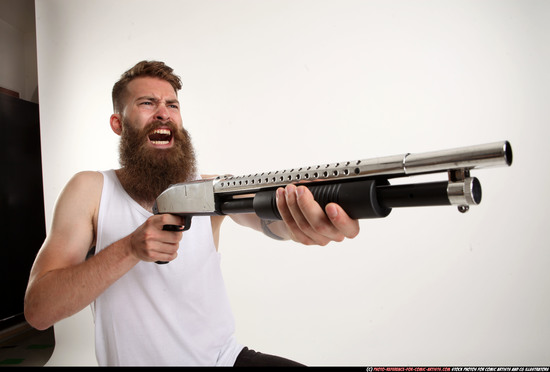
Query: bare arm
[(62, 282), (303, 219)]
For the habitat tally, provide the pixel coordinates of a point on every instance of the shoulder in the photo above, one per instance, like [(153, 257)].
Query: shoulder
[(87, 179), (85, 184), (82, 193), (72, 231)]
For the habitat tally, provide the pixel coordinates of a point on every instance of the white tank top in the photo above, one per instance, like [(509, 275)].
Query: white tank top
[(172, 314)]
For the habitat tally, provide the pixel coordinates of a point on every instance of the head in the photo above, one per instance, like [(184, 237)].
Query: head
[(155, 149), (154, 69)]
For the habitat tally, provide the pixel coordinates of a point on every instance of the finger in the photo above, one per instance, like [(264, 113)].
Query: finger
[(164, 229), (340, 219), (315, 217), (166, 248), (164, 257), (295, 233), (171, 222), (172, 227), (308, 215)]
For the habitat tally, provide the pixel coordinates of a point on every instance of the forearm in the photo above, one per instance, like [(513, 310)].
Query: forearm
[(63, 292), (275, 229)]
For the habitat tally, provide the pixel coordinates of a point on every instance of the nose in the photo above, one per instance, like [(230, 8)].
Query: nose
[(162, 113)]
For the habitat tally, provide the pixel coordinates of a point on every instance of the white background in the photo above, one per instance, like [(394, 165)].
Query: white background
[(273, 84)]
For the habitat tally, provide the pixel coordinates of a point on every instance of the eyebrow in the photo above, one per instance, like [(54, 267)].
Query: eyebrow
[(150, 98)]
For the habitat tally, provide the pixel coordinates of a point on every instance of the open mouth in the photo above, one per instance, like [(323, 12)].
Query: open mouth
[(161, 136)]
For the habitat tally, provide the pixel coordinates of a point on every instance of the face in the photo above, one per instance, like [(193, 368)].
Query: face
[(155, 150), (152, 103)]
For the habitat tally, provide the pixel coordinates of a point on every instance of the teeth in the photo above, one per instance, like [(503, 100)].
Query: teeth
[(162, 131)]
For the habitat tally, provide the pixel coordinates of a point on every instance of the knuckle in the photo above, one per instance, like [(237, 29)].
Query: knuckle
[(148, 223), (300, 238), (304, 226), (308, 242), (323, 242), (149, 236), (322, 228), (353, 233)]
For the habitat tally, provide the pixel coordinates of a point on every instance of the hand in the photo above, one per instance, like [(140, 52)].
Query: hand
[(151, 243), (306, 221)]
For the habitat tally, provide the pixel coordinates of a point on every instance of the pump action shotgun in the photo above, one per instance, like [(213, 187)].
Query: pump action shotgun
[(361, 187)]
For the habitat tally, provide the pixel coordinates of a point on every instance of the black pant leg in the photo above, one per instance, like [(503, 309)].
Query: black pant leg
[(251, 358)]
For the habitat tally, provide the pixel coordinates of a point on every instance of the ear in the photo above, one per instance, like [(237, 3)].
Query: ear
[(116, 123)]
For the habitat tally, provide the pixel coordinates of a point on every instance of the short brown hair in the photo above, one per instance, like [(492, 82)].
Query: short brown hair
[(144, 68)]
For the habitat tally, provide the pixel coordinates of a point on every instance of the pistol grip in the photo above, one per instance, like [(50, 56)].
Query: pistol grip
[(185, 227)]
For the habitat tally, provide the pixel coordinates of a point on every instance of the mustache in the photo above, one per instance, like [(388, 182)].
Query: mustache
[(149, 128), (158, 124)]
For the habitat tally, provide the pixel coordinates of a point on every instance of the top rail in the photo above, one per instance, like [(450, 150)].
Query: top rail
[(464, 158)]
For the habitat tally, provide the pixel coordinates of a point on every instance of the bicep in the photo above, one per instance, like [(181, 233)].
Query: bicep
[(72, 231)]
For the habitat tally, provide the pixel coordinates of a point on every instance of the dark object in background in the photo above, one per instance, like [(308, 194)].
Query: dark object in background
[(22, 221)]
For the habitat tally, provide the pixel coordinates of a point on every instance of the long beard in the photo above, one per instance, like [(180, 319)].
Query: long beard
[(147, 171)]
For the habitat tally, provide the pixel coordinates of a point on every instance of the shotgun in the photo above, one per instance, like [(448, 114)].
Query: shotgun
[(360, 187)]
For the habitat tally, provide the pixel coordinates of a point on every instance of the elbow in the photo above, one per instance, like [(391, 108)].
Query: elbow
[(35, 318), (35, 321)]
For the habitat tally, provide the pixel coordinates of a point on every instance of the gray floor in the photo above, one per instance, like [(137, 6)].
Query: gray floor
[(27, 347)]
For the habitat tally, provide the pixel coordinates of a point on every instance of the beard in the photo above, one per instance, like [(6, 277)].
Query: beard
[(148, 171)]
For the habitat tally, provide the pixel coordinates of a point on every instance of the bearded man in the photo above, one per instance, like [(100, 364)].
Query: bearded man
[(144, 313)]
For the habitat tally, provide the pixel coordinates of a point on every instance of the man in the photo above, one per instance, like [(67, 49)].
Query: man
[(149, 314)]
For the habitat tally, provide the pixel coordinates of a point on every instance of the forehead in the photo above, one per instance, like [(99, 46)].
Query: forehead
[(151, 86)]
